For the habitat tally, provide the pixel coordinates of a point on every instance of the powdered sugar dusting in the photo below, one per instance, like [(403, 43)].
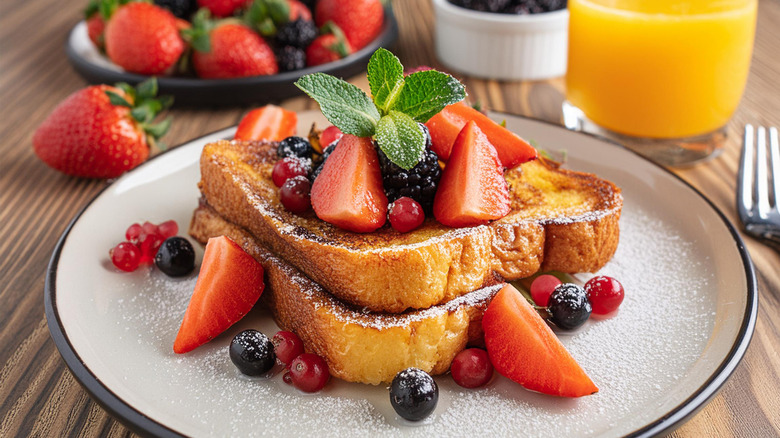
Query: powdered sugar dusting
[(635, 358)]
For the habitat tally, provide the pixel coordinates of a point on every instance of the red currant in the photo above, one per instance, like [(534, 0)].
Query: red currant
[(329, 135), (471, 368), (287, 346), (289, 167), (168, 229), (542, 287), (406, 214), (133, 232), (149, 244), (605, 294), (295, 194), (286, 378), (126, 256), (149, 228), (309, 372)]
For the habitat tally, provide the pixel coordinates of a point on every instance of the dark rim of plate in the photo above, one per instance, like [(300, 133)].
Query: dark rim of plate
[(145, 425)]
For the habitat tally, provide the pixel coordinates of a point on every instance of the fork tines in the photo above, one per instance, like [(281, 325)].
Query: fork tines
[(758, 183)]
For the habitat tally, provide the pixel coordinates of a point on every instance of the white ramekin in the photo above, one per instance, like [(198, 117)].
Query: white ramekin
[(501, 46)]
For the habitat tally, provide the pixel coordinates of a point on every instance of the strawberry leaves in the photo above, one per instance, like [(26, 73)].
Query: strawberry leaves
[(144, 105), (399, 104)]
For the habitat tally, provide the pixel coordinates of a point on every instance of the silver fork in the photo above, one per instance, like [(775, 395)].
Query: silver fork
[(758, 211)]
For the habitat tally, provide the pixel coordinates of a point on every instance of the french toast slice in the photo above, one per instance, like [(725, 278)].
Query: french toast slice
[(559, 220), (358, 346)]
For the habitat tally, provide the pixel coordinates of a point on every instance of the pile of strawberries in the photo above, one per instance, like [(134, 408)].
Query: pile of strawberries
[(230, 38)]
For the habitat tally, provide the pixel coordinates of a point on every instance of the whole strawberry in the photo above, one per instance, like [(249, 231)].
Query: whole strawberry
[(227, 49), (328, 47), (361, 20), (143, 38), (101, 131), (223, 8)]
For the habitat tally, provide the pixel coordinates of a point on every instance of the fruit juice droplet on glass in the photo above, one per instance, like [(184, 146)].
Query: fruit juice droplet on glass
[(659, 68)]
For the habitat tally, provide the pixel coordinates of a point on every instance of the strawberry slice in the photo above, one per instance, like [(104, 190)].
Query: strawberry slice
[(472, 190), (445, 126), (229, 284), (348, 193), (267, 123), (523, 348)]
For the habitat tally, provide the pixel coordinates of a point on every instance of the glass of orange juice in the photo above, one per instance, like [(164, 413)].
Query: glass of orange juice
[(661, 76)]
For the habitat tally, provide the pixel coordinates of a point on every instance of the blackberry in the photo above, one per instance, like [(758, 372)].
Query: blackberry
[(180, 8), (325, 154), (291, 58), (295, 147), (569, 306), (298, 33), (418, 183)]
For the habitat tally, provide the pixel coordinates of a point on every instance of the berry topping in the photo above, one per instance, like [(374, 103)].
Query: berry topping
[(149, 244), (252, 353), (175, 258), (569, 306), (414, 394), (168, 229), (472, 190), (542, 287), (297, 33), (289, 167), (309, 372), (149, 228), (448, 123), (330, 135), (418, 183), (126, 256), (133, 233), (291, 58), (287, 346), (295, 194), (269, 122), (348, 192), (286, 377), (530, 353), (471, 368), (405, 214), (605, 294), (229, 284), (295, 147), (325, 154)]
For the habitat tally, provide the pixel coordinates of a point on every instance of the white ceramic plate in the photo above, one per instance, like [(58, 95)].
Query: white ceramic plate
[(686, 321)]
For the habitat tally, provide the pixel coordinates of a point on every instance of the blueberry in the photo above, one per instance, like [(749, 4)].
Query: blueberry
[(569, 306), (414, 394), (175, 258), (252, 353), (295, 147)]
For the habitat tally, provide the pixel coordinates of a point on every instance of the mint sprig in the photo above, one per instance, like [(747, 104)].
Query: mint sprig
[(398, 104)]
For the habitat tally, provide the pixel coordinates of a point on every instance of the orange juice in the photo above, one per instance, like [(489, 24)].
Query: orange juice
[(659, 68)]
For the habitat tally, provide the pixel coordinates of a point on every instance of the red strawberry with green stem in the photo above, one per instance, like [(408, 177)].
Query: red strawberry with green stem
[(96, 15), (361, 20), (266, 16), (228, 49), (329, 47), (101, 131), (143, 38)]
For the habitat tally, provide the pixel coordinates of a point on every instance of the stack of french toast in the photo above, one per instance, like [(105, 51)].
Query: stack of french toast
[(373, 304)]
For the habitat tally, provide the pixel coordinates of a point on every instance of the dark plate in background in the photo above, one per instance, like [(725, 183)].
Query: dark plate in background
[(97, 69)]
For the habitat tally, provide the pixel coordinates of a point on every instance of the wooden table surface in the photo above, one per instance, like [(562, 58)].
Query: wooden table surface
[(40, 397)]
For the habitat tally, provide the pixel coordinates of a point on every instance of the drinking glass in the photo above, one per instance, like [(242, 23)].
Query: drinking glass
[(662, 77)]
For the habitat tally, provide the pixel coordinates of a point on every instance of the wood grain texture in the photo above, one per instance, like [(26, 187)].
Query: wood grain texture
[(39, 396)]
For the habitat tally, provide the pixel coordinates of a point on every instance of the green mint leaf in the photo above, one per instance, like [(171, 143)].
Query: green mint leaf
[(385, 77), (425, 93), (342, 103), (401, 139)]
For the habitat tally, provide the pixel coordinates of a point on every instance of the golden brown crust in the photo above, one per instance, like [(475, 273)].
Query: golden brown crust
[(358, 346), (560, 220)]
